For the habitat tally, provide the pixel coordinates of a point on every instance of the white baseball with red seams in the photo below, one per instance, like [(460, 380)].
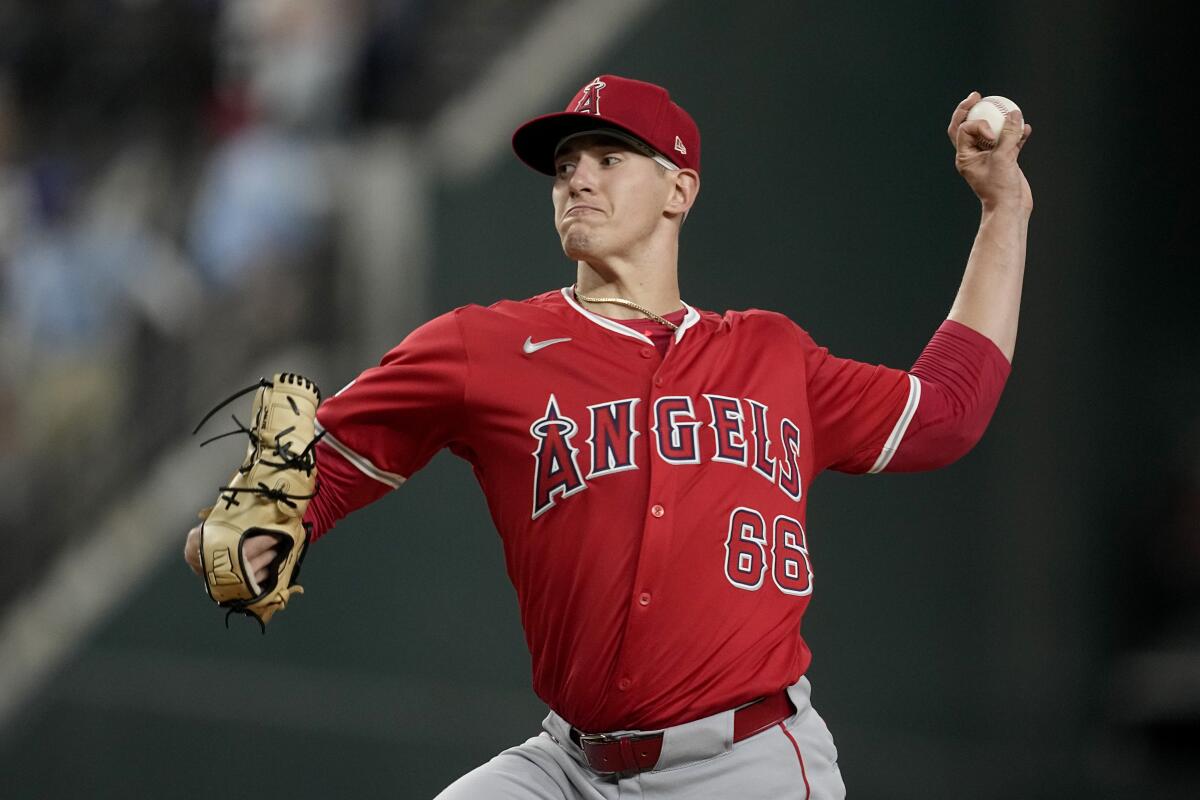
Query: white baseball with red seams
[(994, 109)]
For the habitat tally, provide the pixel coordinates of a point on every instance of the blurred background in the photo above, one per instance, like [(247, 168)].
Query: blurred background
[(194, 193)]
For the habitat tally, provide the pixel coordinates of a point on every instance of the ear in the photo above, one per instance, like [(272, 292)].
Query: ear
[(683, 193)]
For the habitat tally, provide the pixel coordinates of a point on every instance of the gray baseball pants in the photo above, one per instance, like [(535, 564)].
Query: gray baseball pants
[(795, 758)]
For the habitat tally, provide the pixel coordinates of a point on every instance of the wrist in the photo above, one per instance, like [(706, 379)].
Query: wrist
[(1006, 207)]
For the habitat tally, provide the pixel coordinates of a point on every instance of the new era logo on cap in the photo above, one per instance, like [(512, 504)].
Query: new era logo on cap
[(636, 108)]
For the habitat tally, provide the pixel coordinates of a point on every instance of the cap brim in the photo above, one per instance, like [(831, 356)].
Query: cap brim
[(535, 142)]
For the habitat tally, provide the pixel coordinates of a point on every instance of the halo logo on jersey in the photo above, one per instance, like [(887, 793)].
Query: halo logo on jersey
[(590, 102), (556, 471)]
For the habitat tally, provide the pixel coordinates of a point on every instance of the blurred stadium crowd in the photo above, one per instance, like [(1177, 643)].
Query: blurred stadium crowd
[(165, 174)]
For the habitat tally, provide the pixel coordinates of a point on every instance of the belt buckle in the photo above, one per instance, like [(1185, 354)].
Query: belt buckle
[(600, 738), (604, 759)]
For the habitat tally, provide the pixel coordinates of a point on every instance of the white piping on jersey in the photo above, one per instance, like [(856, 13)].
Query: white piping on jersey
[(689, 319), (893, 441), (362, 463)]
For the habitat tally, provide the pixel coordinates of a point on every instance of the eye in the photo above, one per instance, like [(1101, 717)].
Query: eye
[(564, 169), (612, 159)]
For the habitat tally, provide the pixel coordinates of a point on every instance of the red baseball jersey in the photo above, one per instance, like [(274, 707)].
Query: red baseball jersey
[(651, 507)]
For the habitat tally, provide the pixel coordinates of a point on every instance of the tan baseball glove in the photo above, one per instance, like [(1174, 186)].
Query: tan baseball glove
[(267, 495)]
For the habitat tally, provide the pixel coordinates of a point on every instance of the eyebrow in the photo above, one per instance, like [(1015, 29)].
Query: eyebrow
[(594, 142)]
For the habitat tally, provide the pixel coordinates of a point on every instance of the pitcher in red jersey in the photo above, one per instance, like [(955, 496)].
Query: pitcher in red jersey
[(646, 463)]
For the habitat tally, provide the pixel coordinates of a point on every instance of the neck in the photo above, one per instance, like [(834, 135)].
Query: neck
[(653, 289)]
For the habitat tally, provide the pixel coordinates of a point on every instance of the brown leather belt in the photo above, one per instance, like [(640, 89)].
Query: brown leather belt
[(639, 752)]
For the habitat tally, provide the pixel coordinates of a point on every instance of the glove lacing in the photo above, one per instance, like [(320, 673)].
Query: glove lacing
[(304, 461)]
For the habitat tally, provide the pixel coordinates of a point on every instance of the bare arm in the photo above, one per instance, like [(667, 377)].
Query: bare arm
[(989, 297)]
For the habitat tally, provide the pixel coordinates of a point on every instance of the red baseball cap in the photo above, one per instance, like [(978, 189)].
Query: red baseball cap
[(634, 108)]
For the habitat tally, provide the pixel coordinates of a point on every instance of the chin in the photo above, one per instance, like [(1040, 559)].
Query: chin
[(578, 245)]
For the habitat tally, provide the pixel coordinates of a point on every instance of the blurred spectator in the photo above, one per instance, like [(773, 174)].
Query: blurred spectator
[(300, 57), (260, 203), (284, 71), (62, 311), (85, 271)]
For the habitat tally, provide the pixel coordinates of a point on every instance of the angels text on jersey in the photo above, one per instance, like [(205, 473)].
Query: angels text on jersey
[(738, 431)]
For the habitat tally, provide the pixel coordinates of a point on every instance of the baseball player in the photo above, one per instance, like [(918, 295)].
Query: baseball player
[(647, 464)]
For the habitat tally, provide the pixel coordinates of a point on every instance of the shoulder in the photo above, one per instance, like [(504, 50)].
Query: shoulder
[(755, 316), (474, 315), (755, 321), (504, 312), (476, 328), (758, 328)]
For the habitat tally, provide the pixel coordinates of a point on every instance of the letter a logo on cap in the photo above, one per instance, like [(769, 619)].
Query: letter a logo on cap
[(590, 102), (679, 145)]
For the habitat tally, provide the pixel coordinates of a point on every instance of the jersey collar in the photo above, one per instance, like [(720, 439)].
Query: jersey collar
[(689, 319)]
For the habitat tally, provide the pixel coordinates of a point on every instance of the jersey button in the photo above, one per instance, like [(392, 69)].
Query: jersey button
[(644, 598), (657, 510), (624, 684), (658, 381), (647, 352)]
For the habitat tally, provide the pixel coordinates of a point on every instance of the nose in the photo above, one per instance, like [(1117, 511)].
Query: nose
[(582, 177)]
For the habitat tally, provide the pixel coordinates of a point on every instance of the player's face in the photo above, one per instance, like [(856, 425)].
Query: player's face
[(608, 198)]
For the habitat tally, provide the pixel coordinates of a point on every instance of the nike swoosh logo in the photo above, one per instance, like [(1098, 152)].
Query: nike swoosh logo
[(531, 346)]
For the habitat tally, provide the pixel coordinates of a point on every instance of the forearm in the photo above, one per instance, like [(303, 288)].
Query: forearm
[(341, 488), (989, 298)]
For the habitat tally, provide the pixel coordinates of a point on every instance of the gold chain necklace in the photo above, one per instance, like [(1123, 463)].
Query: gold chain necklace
[(621, 301)]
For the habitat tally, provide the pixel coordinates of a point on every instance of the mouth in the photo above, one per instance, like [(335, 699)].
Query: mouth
[(574, 211)]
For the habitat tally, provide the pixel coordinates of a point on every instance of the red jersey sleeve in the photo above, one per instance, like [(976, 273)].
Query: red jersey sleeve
[(869, 418), (859, 411), (341, 488), (961, 374), (393, 418)]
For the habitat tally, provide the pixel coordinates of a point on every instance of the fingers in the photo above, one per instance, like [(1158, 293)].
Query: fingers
[(259, 552), (1013, 134), (191, 551), (1027, 133), (256, 545), (975, 135), (960, 115), (259, 566)]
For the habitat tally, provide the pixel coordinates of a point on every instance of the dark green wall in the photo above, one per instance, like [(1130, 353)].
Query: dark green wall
[(965, 623)]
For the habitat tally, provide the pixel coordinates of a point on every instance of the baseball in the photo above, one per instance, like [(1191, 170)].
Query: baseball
[(992, 108)]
